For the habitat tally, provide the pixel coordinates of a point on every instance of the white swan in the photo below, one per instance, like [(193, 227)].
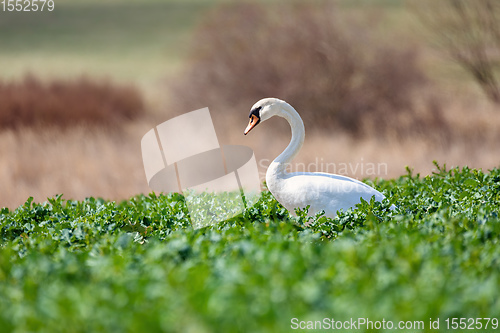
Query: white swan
[(321, 191)]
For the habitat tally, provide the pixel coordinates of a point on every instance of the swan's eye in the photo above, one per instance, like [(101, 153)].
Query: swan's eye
[(255, 112)]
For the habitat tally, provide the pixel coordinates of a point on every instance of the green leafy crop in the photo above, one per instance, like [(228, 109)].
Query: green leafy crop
[(138, 265)]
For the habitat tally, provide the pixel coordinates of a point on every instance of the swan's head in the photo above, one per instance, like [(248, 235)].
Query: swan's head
[(262, 111)]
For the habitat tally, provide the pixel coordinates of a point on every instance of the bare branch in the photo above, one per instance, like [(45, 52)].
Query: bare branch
[(469, 32)]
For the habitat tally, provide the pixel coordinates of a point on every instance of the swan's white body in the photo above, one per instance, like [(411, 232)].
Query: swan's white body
[(320, 191)]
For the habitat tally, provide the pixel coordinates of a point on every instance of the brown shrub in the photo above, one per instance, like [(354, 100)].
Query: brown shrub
[(334, 71), (32, 102)]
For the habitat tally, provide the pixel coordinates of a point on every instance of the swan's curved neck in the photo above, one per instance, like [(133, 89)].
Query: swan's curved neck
[(278, 166)]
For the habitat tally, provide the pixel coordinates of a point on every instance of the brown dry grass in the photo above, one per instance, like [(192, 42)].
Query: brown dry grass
[(67, 137), (78, 163), (94, 162)]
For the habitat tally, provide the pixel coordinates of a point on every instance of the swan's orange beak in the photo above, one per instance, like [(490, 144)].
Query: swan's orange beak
[(254, 120)]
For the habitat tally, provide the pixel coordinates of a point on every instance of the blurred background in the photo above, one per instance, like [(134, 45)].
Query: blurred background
[(385, 83)]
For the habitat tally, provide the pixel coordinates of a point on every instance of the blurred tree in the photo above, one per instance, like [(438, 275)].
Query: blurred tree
[(336, 69), (469, 32)]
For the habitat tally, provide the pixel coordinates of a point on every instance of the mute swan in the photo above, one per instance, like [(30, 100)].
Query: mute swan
[(321, 191)]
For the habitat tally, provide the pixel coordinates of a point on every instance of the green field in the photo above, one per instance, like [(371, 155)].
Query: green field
[(137, 265), (130, 40), (124, 39)]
